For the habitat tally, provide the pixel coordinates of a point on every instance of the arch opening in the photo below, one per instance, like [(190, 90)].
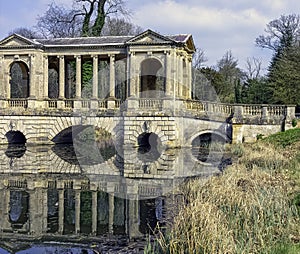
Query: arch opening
[(208, 147), (19, 82), (152, 79), (149, 147), (84, 144), (15, 137)]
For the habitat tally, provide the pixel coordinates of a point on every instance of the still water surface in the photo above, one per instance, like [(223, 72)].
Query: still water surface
[(57, 199)]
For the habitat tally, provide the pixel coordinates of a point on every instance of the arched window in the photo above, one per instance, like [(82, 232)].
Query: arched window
[(19, 82), (152, 78)]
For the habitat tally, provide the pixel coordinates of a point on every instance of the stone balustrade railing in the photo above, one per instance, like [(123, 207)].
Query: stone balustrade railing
[(149, 103), (238, 111), (17, 103)]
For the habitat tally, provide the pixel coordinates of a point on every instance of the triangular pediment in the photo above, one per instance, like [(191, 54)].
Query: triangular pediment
[(17, 40), (150, 37), (190, 44)]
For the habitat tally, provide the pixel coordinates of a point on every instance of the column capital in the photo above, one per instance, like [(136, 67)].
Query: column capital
[(112, 56), (95, 56), (77, 56), (61, 57)]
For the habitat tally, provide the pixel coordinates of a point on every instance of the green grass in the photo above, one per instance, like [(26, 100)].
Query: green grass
[(284, 139), (286, 249)]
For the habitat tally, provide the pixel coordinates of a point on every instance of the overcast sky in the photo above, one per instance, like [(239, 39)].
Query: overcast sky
[(216, 25)]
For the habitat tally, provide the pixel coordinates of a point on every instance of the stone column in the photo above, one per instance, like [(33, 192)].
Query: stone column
[(78, 77), (95, 77), (2, 84), (111, 205), (180, 74), (94, 212), (112, 76), (77, 211), (133, 76), (61, 77), (32, 79), (46, 77), (189, 79), (168, 74), (61, 211)]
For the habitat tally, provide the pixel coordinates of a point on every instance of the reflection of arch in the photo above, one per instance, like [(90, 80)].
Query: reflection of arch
[(19, 204), (19, 83), (152, 78)]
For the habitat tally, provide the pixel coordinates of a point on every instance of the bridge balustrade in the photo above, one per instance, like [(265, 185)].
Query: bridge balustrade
[(17, 103), (52, 103), (252, 110), (86, 104), (147, 103), (276, 110), (69, 103), (243, 111)]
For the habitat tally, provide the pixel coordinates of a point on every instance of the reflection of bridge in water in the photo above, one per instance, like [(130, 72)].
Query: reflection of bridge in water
[(47, 194)]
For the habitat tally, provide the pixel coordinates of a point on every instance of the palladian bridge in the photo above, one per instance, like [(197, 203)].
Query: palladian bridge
[(137, 84), (135, 89)]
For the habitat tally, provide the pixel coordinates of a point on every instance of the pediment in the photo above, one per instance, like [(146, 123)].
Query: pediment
[(16, 40), (150, 37), (190, 44)]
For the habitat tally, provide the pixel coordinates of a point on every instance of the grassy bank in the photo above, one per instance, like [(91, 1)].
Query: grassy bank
[(253, 207)]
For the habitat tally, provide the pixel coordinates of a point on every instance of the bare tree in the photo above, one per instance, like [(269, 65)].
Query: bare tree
[(86, 18), (281, 33), (253, 67), (199, 58), (115, 26), (58, 22), (26, 32)]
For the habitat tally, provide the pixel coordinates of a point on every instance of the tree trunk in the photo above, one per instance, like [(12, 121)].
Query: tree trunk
[(87, 19), (99, 22)]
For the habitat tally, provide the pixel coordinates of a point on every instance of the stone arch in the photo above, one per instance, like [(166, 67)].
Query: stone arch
[(204, 132), (15, 137), (149, 146), (152, 80), (19, 80), (207, 146)]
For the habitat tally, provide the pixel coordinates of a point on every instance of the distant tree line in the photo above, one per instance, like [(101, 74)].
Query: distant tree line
[(281, 84)]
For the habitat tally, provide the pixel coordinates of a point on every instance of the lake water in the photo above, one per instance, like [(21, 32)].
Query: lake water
[(61, 199)]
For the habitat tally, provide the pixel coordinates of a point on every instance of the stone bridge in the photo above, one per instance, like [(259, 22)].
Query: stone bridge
[(176, 123)]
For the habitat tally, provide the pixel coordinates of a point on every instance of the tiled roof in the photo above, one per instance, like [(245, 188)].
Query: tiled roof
[(81, 41), (179, 37)]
